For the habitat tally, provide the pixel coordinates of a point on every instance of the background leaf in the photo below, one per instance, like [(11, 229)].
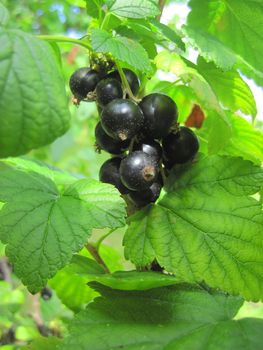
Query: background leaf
[(182, 317), (246, 141), (135, 8), (4, 15), (229, 87), (207, 227), (133, 280), (168, 33), (123, 49), (220, 131), (43, 227), (94, 7), (33, 103), (210, 48), (236, 23)]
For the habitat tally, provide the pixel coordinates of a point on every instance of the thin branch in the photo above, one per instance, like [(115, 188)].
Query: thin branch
[(5, 269), (94, 252), (161, 6), (35, 313), (98, 243)]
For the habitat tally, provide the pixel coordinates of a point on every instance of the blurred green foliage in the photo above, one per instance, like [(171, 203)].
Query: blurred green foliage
[(75, 153)]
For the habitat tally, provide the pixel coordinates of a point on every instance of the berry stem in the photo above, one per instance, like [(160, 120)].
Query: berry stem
[(125, 83), (95, 253), (64, 39), (131, 144), (162, 172)]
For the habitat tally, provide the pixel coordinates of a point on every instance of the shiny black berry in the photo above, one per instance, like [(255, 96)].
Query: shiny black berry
[(131, 77), (144, 197), (160, 113), (180, 147), (151, 147), (122, 119), (110, 173), (108, 144), (83, 81), (138, 171), (46, 293), (108, 90)]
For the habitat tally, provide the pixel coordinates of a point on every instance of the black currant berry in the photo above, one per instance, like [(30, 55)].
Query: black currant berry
[(108, 90), (131, 77), (151, 147), (46, 293), (121, 119), (83, 81), (180, 147), (110, 173), (138, 171), (108, 144), (160, 113), (150, 195)]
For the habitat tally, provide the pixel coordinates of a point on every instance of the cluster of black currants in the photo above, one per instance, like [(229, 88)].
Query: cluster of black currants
[(143, 137)]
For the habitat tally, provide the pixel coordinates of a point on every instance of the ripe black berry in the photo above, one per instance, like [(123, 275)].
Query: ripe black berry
[(108, 144), (138, 171), (122, 119), (131, 77), (83, 81), (151, 147), (160, 113), (109, 173), (108, 90), (46, 293), (180, 147), (150, 195)]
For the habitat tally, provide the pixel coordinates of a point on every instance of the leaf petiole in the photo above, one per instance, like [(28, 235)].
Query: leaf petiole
[(98, 243), (65, 39)]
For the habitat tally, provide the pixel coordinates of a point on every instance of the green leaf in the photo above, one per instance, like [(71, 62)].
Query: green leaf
[(218, 133), (173, 63), (229, 87), (122, 280), (44, 343), (43, 227), (136, 8), (123, 49), (210, 48), (236, 23), (207, 227), (4, 15), (251, 72), (178, 318), (246, 141), (133, 280), (34, 106), (31, 165), (94, 7), (204, 94), (168, 33), (81, 265), (72, 289)]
